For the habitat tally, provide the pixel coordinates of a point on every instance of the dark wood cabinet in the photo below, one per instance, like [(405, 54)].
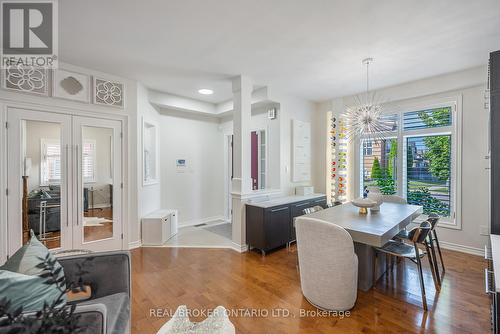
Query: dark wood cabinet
[(276, 226), (494, 72), (268, 228), (319, 201)]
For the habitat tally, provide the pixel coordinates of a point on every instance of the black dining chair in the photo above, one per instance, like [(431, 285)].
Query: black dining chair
[(433, 219), (312, 209), (417, 236), (433, 244)]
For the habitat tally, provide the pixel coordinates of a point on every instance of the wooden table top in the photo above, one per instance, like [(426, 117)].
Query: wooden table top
[(373, 228)]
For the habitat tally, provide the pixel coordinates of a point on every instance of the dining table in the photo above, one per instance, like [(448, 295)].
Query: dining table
[(369, 231)]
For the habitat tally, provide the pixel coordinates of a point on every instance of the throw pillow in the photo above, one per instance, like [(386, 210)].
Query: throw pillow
[(26, 291)]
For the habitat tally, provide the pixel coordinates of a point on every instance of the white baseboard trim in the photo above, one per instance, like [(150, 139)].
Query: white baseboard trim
[(239, 248), (235, 247), (201, 221), (134, 244), (462, 248)]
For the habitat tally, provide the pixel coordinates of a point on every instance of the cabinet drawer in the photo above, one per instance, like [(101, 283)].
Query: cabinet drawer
[(319, 201)]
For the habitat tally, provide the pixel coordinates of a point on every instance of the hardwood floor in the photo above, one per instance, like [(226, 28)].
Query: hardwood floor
[(164, 278)]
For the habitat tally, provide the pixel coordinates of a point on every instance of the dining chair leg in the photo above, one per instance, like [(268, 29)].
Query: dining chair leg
[(386, 263), (439, 250), (435, 261), (421, 276), (432, 264)]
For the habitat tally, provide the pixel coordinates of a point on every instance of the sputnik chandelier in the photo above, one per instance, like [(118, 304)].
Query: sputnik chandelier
[(364, 119)]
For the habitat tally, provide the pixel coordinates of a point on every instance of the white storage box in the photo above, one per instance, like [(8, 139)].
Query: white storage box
[(158, 227)]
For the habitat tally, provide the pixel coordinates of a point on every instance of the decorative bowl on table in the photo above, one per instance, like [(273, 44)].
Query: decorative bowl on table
[(364, 204)]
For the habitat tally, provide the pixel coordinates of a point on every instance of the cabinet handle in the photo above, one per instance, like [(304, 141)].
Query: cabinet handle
[(78, 186), (280, 209), (300, 205), (66, 173)]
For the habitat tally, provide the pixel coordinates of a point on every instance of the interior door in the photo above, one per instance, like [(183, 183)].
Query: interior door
[(39, 145), (98, 183)]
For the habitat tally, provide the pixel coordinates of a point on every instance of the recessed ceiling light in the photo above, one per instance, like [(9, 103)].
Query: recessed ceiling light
[(205, 91)]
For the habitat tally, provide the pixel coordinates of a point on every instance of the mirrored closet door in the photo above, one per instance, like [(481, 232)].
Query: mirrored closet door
[(97, 203), (64, 180)]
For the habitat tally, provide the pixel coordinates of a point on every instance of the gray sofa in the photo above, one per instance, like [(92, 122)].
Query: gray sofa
[(108, 274), (107, 311)]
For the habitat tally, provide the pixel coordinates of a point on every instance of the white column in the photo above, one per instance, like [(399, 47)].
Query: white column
[(241, 183)]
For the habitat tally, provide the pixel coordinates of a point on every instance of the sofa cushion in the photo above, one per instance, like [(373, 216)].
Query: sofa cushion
[(117, 311), (26, 291), (27, 259)]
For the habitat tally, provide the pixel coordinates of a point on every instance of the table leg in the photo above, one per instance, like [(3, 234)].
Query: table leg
[(366, 264)]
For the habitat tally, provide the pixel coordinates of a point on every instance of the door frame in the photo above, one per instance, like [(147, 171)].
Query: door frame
[(43, 104), (15, 138), (228, 171), (77, 213)]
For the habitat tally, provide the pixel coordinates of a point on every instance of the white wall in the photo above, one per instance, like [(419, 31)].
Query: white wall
[(148, 196), (197, 191), (280, 140), (302, 110), (470, 85)]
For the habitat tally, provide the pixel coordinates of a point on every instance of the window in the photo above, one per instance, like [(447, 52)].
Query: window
[(379, 164), (50, 171), (51, 162), (428, 173), (428, 149), (367, 148), (417, 161), (88, 161)]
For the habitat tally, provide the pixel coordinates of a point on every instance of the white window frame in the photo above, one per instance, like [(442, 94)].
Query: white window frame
[(455, 130)]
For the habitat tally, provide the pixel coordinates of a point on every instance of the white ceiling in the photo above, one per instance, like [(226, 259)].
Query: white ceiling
[(309, 48)]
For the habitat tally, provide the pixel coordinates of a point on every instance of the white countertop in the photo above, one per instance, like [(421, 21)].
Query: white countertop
[(495, 254), (268, 203)]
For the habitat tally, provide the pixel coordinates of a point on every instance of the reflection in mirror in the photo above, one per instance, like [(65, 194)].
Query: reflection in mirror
[(97, 177), (41, 204), (258, 168)]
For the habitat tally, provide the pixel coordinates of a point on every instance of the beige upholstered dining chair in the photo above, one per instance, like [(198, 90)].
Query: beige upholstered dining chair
[(328, 264)]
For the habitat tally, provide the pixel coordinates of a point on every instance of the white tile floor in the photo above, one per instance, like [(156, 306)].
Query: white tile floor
[(199, 237)]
